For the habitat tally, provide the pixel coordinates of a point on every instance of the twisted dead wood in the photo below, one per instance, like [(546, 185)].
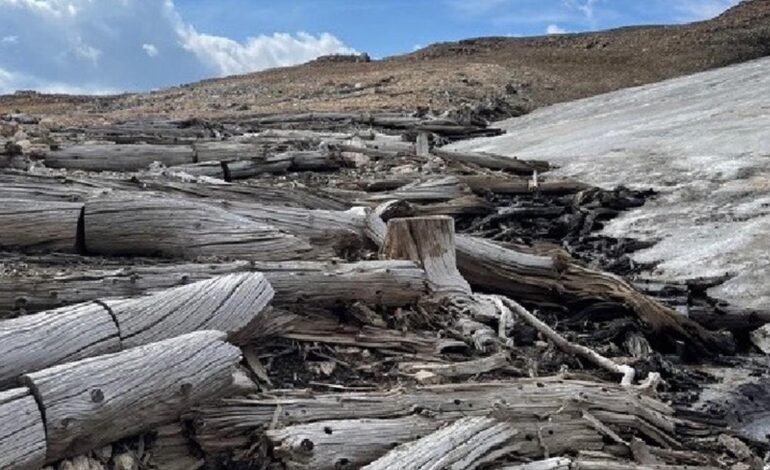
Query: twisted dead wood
[(93, 402), (465, 444), (227, 303), (319, 431), (22, 435)]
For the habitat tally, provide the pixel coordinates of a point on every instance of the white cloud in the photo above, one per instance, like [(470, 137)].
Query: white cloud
[(698, 10), (55, 38), (229, 57), (88, 52), (150, 49), (586, 7), (8, 40), (555, 29)]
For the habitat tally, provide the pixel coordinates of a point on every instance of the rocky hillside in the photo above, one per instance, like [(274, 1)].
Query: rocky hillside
[(507, 76)]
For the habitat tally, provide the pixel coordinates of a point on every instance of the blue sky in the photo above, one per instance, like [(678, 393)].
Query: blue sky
[(103, 46)]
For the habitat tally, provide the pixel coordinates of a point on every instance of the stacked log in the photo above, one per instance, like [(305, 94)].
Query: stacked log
[(183, 229), (231, 304), (93, 402)]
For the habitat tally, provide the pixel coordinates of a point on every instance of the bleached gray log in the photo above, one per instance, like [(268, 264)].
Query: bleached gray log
[(34, 342), (521, 402), (178, 228), (495, 184), (431, 242), (227, 303), (329, 232), (389, 283), (556, 463), (34, 226), (22, 434), (492, 161), (330, 445), (46, 284), (466, 444), (118, 157), (96, 401), (226, 151), (435, 190)]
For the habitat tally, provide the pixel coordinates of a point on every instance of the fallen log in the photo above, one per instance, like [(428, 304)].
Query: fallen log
[(48, 284), (184, 229), (34, 342), (498, 185), (467, 443), (93, 402), (547, 280), (229, 304), (118, 157), (321, 430), (493, 162), (35, 226), (436, 190), (22, 435)]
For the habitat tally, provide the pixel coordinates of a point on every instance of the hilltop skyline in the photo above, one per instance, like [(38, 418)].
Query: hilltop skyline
[(111, 46)]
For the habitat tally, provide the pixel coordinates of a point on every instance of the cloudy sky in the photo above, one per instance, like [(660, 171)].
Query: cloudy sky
[(106, 46)]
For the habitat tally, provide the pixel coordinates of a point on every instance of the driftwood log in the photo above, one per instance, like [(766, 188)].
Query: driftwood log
[(355, 428), (93, 402), (177, 228), (467, 443), (53, 282), (118, 157), (35, 226), (22, 433), (34, 342), (493, 162), (229, 303)]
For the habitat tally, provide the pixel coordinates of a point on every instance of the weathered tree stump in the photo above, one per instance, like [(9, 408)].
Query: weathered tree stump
[(431, 242), (225, 303), (22, 434), (179, 228), (96, 401), (34, 342), (34, 226)]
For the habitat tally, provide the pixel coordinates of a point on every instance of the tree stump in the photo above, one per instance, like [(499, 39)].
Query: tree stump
[(429, 241)]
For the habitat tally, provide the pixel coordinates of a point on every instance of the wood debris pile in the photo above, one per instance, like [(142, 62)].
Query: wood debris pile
[(332, 291)]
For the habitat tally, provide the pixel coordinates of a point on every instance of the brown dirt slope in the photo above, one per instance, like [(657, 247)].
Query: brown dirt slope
[(506, 75)]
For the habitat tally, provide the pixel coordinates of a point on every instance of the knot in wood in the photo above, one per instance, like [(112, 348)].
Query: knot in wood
[(97, 395), (306, 445), (185, 388)]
